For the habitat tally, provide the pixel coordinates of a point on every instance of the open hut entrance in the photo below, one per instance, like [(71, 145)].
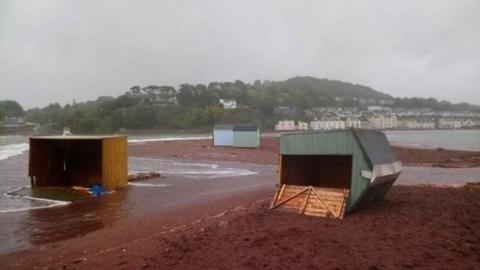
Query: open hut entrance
[(65, 162), (330, 171), (316, 185)]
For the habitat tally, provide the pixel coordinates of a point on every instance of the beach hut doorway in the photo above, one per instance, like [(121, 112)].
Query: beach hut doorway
[(333, 171)]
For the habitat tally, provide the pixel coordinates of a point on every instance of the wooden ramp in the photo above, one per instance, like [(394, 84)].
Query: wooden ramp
[(311, 201)]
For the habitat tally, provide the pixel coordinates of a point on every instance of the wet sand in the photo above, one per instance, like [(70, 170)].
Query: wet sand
[(24, 229), (269, 147), (413, 228)]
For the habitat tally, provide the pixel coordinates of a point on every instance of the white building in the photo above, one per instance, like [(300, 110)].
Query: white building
[(450, 123), (302, 125), (383, 121), (412, 123), (285, 125), (353, 123), (374, 108), (470, 123), (327, 124), (228, 103)]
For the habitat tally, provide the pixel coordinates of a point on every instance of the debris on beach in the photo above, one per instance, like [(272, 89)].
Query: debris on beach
[(143, 176), (95, 190)]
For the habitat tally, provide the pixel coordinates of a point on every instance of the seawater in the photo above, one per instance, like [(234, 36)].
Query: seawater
[(14, 171), (468, 140)]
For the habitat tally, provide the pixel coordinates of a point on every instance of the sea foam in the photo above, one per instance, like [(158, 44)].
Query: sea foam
[(46, 203), (11, 150)]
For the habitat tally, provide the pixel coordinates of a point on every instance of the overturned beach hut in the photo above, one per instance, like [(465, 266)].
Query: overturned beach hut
[(78, 161), (329, 173), (240, 135)]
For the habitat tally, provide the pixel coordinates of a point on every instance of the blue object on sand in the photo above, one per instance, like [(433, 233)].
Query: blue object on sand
[(97, 190)]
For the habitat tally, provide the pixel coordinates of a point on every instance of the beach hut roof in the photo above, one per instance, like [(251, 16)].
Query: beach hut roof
[(223, 127), (375, 146), (245, 127), (373, 143), (77, 137)]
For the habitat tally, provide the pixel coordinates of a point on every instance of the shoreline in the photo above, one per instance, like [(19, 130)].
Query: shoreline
[(267, 153)]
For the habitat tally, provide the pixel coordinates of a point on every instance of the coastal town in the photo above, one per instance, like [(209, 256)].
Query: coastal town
[(378, 117)]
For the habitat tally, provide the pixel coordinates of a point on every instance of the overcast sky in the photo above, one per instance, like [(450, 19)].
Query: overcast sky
[(57, 51)]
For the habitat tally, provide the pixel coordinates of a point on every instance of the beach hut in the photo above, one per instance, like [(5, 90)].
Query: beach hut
[(223, 135), (239, 135), (329, 173), (78, 161), (246, 136)]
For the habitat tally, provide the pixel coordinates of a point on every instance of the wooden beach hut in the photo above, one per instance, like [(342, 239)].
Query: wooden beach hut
[(78, 161), (329, 173)]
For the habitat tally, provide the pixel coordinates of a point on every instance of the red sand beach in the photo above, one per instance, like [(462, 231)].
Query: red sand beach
[(268, 153), (415, 227)]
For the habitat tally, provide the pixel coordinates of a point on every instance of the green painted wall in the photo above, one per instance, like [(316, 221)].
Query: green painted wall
[(331, 143), (246, 139)]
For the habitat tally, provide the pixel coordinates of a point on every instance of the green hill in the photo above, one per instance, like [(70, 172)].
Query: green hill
[(197, 107), (333, 88)]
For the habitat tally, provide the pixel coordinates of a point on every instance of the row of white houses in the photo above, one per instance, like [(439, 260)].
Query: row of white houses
[(389, 121), (287, 125)]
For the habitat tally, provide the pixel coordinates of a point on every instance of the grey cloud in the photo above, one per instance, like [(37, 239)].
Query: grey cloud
[(64, 50)]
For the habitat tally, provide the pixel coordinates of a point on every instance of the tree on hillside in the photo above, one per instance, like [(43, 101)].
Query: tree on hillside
[(136, 90), (10, 108), (186, 95)]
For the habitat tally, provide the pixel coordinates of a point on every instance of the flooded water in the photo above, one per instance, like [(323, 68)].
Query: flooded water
[(29, 218)]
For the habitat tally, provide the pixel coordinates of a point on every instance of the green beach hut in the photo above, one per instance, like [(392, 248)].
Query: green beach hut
[(247, 136), (334, 172)]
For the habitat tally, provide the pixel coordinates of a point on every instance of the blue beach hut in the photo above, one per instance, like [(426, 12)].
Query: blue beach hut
[(223, 135)]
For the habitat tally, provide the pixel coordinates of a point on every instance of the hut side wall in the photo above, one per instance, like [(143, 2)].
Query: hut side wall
[(222, 137), (114, 162), (246, 139), (372, 193), (331, 143)]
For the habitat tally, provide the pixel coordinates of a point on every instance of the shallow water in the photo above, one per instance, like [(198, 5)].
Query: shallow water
[(197, 182)]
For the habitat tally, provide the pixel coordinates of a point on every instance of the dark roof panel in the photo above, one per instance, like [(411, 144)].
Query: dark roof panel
[(245, 128), (375, 146)]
